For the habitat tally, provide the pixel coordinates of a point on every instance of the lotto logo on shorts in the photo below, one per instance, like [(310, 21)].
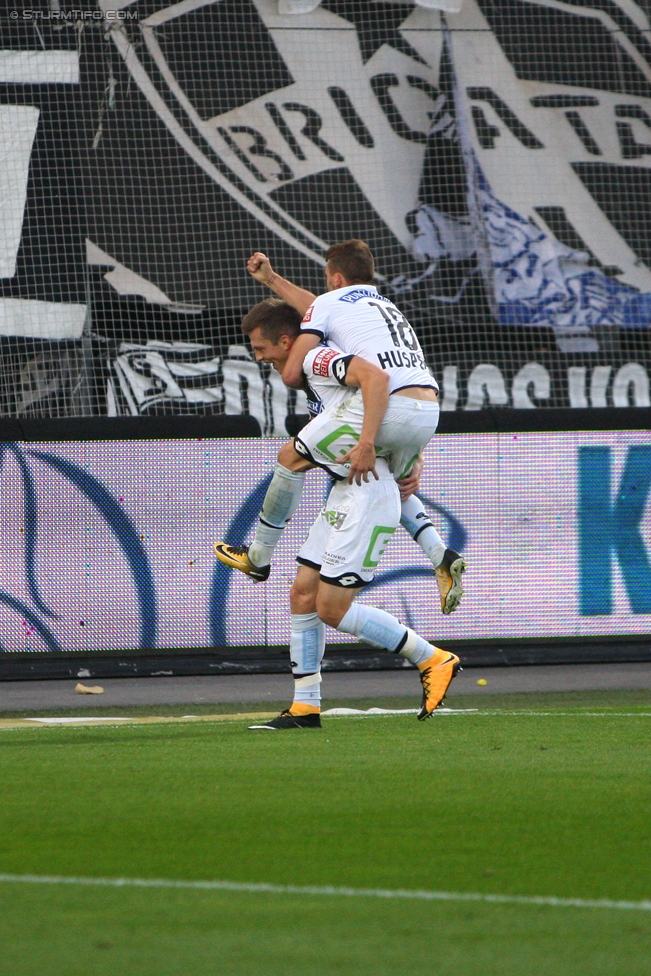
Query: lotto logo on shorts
[(321, 361), (308, 315), (351, 580)]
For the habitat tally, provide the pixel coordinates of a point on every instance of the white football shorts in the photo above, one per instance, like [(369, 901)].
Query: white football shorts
[(407, 428), (353, 529)]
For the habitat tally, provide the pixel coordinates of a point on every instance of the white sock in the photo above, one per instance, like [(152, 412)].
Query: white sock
[(307, 690), (373, 626), (307, 646), (381, 629), (416, 649), (417, 522), (280, 503)]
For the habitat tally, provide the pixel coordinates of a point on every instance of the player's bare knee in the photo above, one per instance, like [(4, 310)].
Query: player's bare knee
[(302, 596), (300, 600), (332, 608), (330, 615), (289, 457)]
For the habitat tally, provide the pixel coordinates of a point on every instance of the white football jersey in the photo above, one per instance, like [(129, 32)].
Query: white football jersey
[(357, 318), (325, 371)]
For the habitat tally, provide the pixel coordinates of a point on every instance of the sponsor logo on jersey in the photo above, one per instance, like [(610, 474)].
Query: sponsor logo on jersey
[(359, 293), (308, 315), (337, 442), (322, 360), (314, 407), (335, 519), (379, 541)]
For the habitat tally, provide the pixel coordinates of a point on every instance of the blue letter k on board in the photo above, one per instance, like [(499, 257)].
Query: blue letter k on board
[(610, 528)]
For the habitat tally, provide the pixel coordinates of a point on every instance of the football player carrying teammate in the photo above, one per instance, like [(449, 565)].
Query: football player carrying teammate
[(348, 538), (354, 317)]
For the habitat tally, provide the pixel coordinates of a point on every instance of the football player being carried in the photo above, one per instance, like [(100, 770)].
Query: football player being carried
[(348, 538), (343, 437)]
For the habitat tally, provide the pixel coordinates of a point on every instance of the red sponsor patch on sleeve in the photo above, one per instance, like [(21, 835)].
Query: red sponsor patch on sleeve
[(322, 360), (308, 315)]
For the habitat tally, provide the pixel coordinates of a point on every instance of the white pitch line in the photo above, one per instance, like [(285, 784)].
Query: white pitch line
[(92, 721), (327, 890), (554, 714), (442, 712)]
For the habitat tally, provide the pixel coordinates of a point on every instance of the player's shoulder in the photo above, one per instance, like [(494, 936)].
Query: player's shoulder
[(319, 360), (322, 302), (318, 313)]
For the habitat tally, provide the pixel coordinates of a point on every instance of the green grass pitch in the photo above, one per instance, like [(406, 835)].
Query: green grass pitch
[(499, 801)]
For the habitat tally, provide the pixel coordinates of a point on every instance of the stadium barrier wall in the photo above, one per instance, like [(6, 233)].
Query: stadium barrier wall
[(108, 566)]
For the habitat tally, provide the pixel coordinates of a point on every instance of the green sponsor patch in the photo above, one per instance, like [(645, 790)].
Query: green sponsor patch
[(338, 442), (335, 519), (379, 541)]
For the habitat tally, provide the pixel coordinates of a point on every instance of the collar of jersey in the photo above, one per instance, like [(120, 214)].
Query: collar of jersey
[(346, 288)]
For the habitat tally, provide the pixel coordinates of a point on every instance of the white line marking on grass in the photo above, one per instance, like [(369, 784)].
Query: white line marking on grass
[(469, 711), (440, 712), (345, 712), (75, 720), (327, 890), (128, 721)]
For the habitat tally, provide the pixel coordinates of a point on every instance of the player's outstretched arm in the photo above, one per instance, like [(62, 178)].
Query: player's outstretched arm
[(259, 267), (374, 384)]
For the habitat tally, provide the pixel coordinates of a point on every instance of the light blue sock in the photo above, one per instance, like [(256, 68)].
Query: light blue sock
[(307, 646), (373, 626), (280, 502), (381, 629), (416, 521)]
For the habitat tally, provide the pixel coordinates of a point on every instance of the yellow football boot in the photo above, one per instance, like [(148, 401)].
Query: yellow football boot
[(237, 557), (448, 577), (436, 674)]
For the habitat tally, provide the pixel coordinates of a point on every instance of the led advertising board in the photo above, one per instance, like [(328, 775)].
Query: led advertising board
[(107, 545)]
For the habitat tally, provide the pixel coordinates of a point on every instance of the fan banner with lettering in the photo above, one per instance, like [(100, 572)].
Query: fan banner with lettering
[(495, 157)]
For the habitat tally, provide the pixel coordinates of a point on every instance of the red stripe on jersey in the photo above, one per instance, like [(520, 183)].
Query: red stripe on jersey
[(308, 315)]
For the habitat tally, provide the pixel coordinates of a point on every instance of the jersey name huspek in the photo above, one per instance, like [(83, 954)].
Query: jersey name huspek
[(364, 323)]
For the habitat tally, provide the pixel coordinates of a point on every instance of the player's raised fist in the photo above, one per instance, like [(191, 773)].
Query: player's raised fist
[(259, 267)]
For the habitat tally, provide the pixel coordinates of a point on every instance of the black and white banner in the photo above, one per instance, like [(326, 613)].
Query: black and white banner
[(496, 158)]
